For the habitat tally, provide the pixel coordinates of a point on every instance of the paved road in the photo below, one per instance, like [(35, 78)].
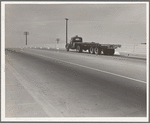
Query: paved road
[(69, 84)]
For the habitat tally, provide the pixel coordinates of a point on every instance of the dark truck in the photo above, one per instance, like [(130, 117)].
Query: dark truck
[(93, 48)]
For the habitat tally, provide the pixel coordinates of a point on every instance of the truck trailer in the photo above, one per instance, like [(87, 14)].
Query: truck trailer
[(92, 47)]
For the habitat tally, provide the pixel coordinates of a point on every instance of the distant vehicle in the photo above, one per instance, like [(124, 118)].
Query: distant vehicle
[(93, 48)]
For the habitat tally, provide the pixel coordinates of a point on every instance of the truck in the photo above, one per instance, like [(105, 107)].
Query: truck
[(92, 47)]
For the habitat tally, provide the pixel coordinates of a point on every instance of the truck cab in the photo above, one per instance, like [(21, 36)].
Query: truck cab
[(73, 42), (76, 39)]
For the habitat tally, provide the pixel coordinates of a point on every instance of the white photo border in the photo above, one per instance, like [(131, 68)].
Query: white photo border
[(75, 119)]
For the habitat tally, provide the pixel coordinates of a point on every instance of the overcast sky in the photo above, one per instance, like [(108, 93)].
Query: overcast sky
[(103, 23)]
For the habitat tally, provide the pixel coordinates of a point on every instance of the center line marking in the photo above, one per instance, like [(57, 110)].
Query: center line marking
[(89, 68)]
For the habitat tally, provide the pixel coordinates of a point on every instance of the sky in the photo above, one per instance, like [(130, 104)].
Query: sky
[(102, 23)]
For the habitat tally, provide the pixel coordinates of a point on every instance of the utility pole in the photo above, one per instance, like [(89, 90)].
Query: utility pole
[(66, 29), (26, 33)]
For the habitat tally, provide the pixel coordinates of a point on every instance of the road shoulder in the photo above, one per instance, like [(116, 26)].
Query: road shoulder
[(18, 100)]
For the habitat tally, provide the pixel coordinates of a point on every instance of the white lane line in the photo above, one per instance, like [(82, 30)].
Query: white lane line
[(90, 68)]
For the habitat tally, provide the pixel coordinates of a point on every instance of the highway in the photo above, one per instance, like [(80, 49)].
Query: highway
[(69, 84)]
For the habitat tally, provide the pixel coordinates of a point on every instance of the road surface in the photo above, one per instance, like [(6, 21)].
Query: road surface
[(45, 83)]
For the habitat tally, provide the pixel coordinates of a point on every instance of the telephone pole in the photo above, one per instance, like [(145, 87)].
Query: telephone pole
[(26, 33), (66, 29)]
